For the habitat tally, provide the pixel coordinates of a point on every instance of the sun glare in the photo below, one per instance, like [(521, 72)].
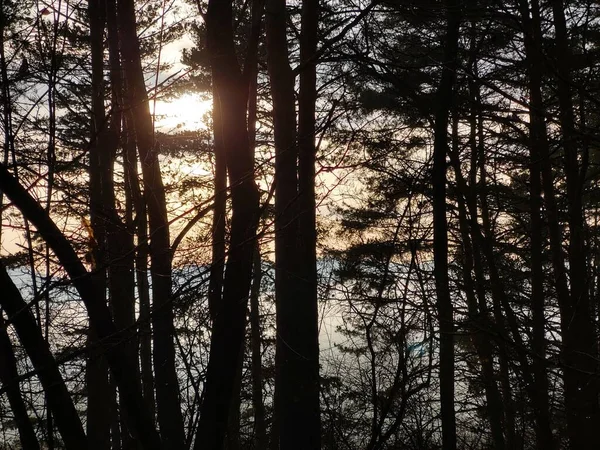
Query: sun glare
[(184, 113)]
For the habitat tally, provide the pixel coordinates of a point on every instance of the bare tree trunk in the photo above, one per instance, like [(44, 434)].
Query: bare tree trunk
[(141, 263), (9, 379), (141, 268), (59, 401), (579, 338), (137, 205), (120, 253), (98, 409), (167, 385), (512, 440), (260, 426), (258, 406), (115, 424), (440, 226), (537, 136), (233, 427), (297, 357), (307, 320), (286, 192), (541, 404), (215, 287), (120, 233), (250, 73), (231, 89)]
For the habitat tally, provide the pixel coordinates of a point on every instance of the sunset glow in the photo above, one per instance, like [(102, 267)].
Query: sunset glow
[(183, 113)]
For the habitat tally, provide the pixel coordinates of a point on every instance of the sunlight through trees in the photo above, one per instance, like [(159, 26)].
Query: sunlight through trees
[(299, 225)]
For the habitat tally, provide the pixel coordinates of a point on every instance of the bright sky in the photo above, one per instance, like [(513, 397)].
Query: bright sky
[(184, 113)]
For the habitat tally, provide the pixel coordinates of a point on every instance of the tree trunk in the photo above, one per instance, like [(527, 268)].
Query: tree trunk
[(260, 427), (537, 137), (136, 412), (579, 338), (233, 426), (297, 357), (120, 253), (286, 191), (440, 227), (98, 409), (59, 401), (115, 425), (167, 386), (231, 89), (9, 379), (479, 322), (141, 264), (120, 234), (306, 342), (215, 286), (258, 406)]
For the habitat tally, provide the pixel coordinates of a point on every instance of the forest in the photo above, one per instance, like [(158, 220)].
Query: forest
[(300, 225)]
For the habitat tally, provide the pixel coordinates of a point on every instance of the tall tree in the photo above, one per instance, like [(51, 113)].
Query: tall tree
[(297, 357), (306, 337), (167, 385), (538, 149), (440, 224), (230, 90), (579, 334), (99, 410), (282, 82)]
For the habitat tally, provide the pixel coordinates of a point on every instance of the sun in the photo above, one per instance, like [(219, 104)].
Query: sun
[(184, 113)]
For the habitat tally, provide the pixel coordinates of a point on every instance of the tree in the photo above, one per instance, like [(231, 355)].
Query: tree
[(137, 415), (64, 411), (440, 227), (297, 357), (387, 231), (167, 385), (231, 92)]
